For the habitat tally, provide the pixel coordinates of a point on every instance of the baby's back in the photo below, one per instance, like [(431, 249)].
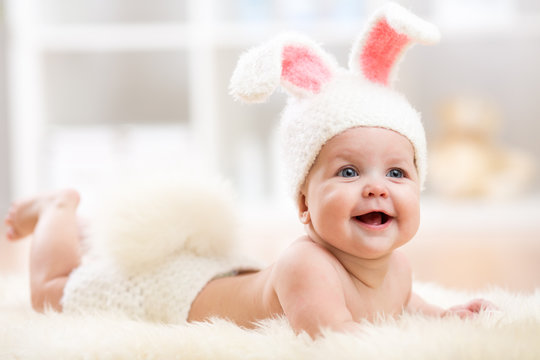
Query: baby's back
[(245, 299), (303, 285)]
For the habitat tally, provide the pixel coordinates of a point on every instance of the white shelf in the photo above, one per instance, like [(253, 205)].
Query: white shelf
[(85, 157), (115, 37), (484, 216), (246, 34), (522, 26), (200, 40), (149, 37)]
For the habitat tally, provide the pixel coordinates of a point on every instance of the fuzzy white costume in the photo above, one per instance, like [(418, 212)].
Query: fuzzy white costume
[(326, 99), (510, 334), (155, 244), (155, 249)]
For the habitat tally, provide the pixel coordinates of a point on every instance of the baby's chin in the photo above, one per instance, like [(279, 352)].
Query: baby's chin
[(376, 246)]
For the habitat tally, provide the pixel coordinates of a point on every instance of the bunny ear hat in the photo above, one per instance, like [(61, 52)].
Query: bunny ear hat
[(326, 99)]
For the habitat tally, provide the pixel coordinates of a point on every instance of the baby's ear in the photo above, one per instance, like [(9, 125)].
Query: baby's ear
[(390, 32), (303, 210), (299, 64)]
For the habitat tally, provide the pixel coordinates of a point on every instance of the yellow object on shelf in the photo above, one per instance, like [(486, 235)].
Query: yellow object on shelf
[(467, 162)]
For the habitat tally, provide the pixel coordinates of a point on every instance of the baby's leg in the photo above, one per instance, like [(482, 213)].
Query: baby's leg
[(55, 248)]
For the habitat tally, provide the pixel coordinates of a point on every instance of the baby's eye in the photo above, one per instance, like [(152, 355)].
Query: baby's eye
[(348, 172), (395, 173)]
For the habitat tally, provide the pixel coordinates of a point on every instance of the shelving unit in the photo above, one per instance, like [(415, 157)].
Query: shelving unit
[(44, 48), (198, 43), (39, 48), (102, 88), (4, 139)]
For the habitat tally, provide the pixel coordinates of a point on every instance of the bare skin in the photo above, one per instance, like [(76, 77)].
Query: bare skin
[(310, 287), (359, 204), (55, 248), (346, 268), (317, 292)]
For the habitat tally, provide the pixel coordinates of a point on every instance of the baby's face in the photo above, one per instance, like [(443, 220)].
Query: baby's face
[(362, 194)]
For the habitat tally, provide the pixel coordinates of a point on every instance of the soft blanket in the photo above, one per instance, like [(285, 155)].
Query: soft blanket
[(512, 333)]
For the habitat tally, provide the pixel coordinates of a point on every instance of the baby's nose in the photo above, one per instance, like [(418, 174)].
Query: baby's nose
[(374, 189)]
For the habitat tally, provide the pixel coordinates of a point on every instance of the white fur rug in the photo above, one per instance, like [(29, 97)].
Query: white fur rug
[(512, 333)]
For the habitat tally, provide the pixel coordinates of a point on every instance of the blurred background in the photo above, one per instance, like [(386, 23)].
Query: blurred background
[(96, 90)]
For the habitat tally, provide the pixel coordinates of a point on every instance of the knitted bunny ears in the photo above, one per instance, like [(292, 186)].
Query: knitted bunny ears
[(327, 99)]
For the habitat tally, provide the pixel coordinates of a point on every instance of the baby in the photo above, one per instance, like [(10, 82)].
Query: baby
[(355, 153)]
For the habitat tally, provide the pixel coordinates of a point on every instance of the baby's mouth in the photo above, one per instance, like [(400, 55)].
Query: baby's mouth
[(374, 218)]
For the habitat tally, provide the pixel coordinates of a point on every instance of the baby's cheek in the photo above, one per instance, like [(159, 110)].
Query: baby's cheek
[(331, 205), (415, 224), (337, 203), (410, 214)]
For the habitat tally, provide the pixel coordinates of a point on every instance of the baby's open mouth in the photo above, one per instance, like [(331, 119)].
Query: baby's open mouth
[(374, 218)]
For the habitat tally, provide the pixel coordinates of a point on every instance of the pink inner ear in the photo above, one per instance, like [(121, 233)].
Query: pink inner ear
[(381, 50), (304, 69)]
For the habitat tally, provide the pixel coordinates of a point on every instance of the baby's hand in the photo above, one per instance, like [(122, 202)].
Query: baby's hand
[(470, 309)]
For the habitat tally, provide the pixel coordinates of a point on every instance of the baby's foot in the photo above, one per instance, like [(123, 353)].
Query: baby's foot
[(24, 215)]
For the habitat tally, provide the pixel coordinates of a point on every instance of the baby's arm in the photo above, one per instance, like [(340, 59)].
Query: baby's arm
[(310, 291), (469, 309), (418, 305)]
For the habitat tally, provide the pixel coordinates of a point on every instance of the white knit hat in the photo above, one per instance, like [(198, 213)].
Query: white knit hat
[(327, 99)]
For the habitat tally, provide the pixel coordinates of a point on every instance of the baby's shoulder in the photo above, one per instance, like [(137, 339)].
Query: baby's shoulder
[(304, 258), (305, 269), (305, 251)]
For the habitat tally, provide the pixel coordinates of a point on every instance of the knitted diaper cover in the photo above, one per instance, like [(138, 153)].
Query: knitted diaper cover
[(153, 244), (161, 293)]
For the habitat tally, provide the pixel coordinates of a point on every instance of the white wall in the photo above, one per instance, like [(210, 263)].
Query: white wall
[(4, 145)]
